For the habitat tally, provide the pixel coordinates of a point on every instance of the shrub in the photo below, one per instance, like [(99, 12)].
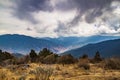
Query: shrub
[(50, 59), (22, 78), (7, 62), (84, 63), (84, 56), (57, 68), (26, 58), (42, 73), (2, 75), (112, 63), (20, 61), (5, 56), (66, 59)]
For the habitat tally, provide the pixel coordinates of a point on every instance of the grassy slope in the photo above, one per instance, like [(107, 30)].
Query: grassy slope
[(60, 72)]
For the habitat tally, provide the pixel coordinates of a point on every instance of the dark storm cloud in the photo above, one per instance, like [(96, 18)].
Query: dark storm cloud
[(96, 7), (61, 29), (24, 8), (84, 6)]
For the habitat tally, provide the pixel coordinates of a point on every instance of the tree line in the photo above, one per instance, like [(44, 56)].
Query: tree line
[(46, 56)]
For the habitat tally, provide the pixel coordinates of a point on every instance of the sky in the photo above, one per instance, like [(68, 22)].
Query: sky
[(56, 18)]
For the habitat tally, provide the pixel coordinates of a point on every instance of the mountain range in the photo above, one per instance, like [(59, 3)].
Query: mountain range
[(107, 48), (23, 44)]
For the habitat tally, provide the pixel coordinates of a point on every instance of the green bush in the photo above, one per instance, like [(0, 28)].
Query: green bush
[(45, 52)]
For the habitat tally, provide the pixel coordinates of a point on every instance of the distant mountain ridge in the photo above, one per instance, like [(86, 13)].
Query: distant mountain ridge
[(22, 44), (106, 48)]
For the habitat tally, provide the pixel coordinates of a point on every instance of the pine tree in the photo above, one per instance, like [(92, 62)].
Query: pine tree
[(45, 52), (97, 57), (33, 55)]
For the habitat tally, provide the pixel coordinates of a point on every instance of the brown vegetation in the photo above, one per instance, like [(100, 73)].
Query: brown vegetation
[(46, 65), (112, 63)]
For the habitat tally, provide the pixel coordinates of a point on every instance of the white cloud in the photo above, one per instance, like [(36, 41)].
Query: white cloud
[(48, 22)]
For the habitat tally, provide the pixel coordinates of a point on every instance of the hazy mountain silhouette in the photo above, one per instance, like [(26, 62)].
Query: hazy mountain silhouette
[(106, 49), (22, 44)]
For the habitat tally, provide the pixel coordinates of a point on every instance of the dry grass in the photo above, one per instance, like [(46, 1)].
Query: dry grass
[(57, 72)]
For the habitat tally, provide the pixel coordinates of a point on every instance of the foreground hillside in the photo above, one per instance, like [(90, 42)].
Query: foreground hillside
[(56, 72), (106, 48), (47, 65)]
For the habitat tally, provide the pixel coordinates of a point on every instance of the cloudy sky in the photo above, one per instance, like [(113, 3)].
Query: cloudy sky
[(55, 18)]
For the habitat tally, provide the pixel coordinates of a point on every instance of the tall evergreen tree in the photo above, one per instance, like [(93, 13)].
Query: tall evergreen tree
[(0, 51), (45, 52), (97, 57), (33, 55)]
